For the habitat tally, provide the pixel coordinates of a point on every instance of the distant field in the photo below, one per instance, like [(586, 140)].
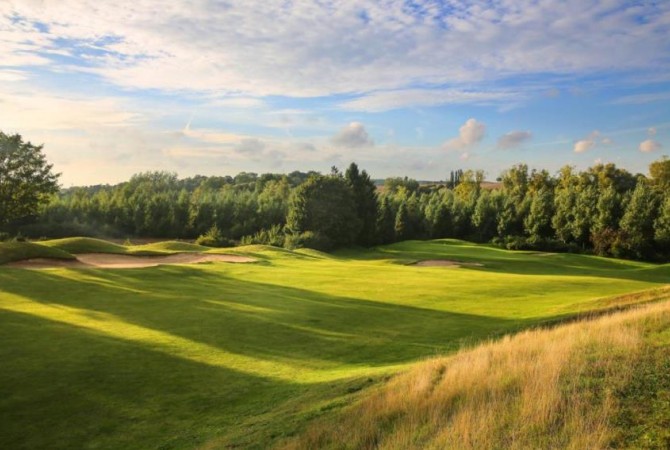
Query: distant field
[(221, 354)]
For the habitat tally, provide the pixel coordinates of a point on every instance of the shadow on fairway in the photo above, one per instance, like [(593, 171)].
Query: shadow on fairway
[(62, 386), (263, 321)]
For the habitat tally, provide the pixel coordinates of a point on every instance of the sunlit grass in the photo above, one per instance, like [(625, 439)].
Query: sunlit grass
[(558, 388), (227, 354)]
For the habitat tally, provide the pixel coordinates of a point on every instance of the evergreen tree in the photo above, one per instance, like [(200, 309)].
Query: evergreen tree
[(385, 222), (365, 199)]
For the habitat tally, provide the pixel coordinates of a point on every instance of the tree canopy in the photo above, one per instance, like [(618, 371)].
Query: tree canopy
[(324, 205), (26, 179)]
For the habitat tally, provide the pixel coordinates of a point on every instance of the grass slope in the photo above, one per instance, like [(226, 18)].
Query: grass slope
[(601, 383), (220, 355), (18, 251)]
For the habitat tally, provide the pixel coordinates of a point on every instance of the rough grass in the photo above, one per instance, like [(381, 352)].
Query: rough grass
[(225, 355), (572, 387), (18, 251)]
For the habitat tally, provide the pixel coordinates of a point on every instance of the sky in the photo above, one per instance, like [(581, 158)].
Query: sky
[(416, 88)]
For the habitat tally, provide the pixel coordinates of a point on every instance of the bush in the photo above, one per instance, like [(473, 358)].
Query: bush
[(534, 243), (214, 238), (308, 239), (274, 236)]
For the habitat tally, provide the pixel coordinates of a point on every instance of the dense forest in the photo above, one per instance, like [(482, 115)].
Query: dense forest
[(603, 210)]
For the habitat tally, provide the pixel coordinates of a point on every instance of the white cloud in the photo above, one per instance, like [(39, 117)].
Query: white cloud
[(584, 145), (514, 139), (651, 131), (470, 134), (353, 135), (317, 48), (649, 146)]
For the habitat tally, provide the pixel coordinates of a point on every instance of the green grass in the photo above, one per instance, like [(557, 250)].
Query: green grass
[(221, 354), (18, 251), (169, 246)]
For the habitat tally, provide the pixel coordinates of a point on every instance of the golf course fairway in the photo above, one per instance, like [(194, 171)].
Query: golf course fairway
[(220, 355)]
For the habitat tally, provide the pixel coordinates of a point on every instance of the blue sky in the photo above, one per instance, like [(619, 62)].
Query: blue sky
[(413, 88)]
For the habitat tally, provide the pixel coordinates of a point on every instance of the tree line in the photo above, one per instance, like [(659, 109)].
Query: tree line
[(603, 210)]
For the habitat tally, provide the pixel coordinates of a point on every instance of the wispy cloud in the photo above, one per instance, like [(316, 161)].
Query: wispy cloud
[(637, 99), (263, 48), (514, 139), (395, 99)]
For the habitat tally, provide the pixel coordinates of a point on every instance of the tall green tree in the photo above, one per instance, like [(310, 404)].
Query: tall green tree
[(401, 219), (484, 216), (564, 204), (324, 205), (662, 226), (537, 223), (385, 222), (660, 174), (637, 224), (26, 179), (365, 199)]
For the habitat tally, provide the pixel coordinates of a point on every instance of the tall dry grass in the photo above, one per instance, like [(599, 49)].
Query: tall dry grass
[(538, 389)]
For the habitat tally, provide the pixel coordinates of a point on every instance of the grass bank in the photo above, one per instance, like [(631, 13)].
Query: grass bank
[(601, 383)]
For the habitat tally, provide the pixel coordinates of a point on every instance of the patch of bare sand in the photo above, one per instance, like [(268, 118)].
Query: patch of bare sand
[(445, 263), (111, 261)]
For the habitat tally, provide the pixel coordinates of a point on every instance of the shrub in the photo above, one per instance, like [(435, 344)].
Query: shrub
[(274, 236), (308, 239), (214, 238)]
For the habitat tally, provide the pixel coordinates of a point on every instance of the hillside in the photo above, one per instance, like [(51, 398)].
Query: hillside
[(600, 383)]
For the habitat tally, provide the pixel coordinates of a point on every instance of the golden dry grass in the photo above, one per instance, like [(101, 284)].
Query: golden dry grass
[(551, 388)]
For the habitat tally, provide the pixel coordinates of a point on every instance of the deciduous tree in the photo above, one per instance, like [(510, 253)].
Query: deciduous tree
[(26, 179)]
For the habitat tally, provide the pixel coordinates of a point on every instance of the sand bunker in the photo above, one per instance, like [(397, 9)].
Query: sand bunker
[(110, 261), (445, 263)]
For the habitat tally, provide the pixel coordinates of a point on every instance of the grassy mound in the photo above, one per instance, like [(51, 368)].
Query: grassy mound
[(169, 247), (18, 251), (593, 384), (77, 245)]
